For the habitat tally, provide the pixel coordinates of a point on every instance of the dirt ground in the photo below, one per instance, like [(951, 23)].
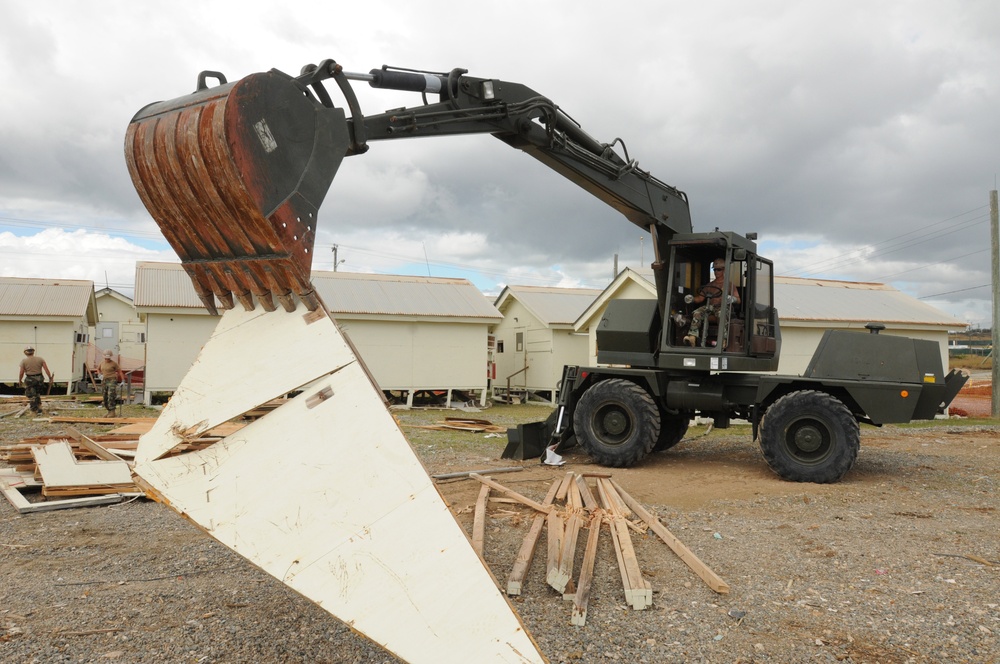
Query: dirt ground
[(899, 562)]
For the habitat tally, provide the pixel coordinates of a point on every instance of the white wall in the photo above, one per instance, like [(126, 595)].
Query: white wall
[(405, 355), (173, 341), (54, 341)]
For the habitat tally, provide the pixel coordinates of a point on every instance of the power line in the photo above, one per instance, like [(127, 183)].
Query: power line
[(960, 290), (852, 257)]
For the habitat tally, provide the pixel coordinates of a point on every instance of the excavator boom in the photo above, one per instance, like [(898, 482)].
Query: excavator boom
[(235, 174)]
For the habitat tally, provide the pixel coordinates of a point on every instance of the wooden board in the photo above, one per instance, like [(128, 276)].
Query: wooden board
[(59, 468), (9, 489), (364, 533), (528, 546), (690, 559)]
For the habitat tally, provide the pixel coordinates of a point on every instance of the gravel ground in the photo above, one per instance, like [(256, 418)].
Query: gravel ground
[(873, 569)]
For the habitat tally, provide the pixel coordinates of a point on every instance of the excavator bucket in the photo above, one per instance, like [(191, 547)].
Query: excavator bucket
[(234, 176)]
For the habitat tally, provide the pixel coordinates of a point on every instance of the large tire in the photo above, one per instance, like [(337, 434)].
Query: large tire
[(672, 430), (809, 436), (617, 422)]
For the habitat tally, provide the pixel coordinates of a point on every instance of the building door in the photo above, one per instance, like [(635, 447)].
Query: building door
[(107, 337)]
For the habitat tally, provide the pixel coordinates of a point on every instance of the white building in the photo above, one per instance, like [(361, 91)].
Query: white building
[(54, 316), (537, 338), (420, 337), (177, 324), (119, 329)]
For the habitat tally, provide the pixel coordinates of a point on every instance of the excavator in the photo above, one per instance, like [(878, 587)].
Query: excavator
[(234, 174)]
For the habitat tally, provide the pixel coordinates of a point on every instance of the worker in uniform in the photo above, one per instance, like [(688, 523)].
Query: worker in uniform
[(111, 375), (711, 295), (30, 373)]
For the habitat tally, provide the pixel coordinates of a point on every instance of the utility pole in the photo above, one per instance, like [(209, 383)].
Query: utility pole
[(335, 261), (995, 332)]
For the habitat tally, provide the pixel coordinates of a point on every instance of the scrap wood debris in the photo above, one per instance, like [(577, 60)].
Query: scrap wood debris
[(79, 469), (461, 424), (571, 506)]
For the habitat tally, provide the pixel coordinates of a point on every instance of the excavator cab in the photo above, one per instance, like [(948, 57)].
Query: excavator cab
[(719, 303)]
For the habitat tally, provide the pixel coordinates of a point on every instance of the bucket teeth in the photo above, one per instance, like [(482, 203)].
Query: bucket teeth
[(234, 176)]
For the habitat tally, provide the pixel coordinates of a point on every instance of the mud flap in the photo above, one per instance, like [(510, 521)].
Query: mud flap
[(324, 492)]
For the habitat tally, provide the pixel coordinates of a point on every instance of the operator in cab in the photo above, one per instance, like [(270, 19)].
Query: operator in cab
[(710, 296)]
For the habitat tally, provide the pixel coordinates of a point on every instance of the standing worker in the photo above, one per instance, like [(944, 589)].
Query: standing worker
[(31, 369), (111, 375)]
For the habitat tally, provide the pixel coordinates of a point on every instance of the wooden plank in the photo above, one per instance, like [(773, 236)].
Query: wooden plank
[(21, 504), (527, 552), (560, 577), (637, 593), (13, 496), (365, 534), (479, 520), (582, 597), (99, 420), (690, 559), (510, 493), (564, 487), (91, 445), (554, 529), (467, 473), (589, 501)]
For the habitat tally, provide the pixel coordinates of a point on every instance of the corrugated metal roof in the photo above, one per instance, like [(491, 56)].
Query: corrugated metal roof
[(164, 285), (168, 285), (396, 295), (45, 297), (824, 300), (552, 306)]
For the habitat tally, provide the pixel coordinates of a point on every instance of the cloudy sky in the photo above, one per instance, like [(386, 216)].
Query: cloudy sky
[(860, 140)]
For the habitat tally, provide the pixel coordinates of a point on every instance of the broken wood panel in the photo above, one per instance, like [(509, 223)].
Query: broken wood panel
[(713, 580), (59, 468), (365, 535), (205, 405), (527, 552), (23, 506)]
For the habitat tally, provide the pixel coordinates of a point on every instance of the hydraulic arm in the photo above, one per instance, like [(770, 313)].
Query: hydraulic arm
[(251, 162)]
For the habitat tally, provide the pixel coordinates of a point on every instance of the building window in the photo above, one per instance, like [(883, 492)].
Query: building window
[(499, 345), (520, 341)]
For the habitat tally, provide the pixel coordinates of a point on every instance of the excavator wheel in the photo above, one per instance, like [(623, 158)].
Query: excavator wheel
[(809, 436), (617, 422)]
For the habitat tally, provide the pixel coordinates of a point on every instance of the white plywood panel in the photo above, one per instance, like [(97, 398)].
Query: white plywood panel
[(364, 533), (59, 468), (254, 358)]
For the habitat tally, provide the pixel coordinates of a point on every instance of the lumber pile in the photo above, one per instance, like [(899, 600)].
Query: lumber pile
[(82, 470), (573, 505)]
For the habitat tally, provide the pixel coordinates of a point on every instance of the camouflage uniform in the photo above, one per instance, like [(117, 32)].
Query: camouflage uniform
[(109, 375), (110, 393), (33, 386)]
